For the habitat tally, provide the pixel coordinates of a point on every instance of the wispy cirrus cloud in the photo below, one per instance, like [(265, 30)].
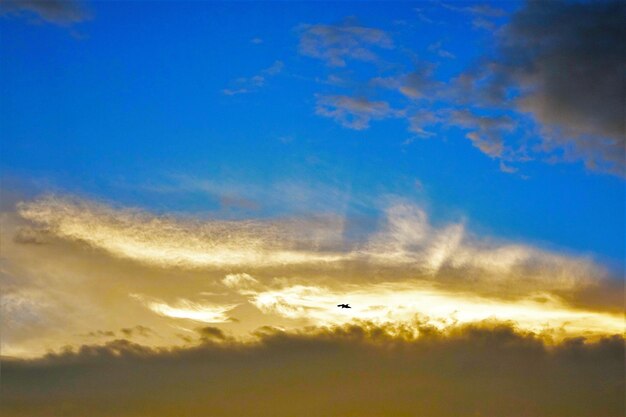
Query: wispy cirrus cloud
[(161, 241), (405, 238), (187, 309)]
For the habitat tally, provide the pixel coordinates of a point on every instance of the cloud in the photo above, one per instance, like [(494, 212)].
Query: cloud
[(489, 132), (279, 272), (402, 301), (476, 9), (243, 283), (275, 68), (482, 23), (245, 85), (418, 84), (287, 197), (405, 238), (59, 12), (137, 330), (335, 44), (211, 333), (556, 68), (488, 370), (437, 48), (187, 309), (29, 235), (161, 241), (563, 63), (353, 113)]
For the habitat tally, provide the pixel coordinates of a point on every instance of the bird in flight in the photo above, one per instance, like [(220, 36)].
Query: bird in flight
[(344, 305)]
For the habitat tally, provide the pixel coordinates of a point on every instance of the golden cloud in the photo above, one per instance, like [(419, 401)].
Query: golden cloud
[(75, 263)]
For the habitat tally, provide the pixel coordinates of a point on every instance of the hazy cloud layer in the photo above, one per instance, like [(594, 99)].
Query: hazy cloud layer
[(358, 370)]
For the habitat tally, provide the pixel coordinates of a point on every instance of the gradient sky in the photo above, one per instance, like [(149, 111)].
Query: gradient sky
[(210, 178)]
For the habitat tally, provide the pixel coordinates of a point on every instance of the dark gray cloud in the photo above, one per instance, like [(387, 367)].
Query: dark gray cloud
[(557, 68), (563, 63), (356, 370), (60, 12)]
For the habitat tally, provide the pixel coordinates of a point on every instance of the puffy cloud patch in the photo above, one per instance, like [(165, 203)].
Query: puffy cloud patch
[(353, 113), (337, 43)]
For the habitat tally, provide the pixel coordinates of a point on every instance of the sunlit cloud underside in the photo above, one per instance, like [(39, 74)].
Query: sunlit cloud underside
[(407, 301)]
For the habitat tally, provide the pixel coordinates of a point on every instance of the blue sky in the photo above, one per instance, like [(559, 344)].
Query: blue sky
[(224, 108), (191, 189)]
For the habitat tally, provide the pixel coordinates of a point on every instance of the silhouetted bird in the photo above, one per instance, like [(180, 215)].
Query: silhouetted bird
[(344, 305)]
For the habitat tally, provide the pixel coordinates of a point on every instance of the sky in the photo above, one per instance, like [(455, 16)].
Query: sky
[(190, 188)]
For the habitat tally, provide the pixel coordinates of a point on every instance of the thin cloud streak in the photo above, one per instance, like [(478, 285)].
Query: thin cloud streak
[(187, 309)]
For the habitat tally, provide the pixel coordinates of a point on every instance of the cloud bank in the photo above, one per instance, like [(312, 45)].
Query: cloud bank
[(357, 370)]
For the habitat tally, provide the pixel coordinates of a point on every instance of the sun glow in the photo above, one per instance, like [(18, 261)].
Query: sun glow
[(403, 302)]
